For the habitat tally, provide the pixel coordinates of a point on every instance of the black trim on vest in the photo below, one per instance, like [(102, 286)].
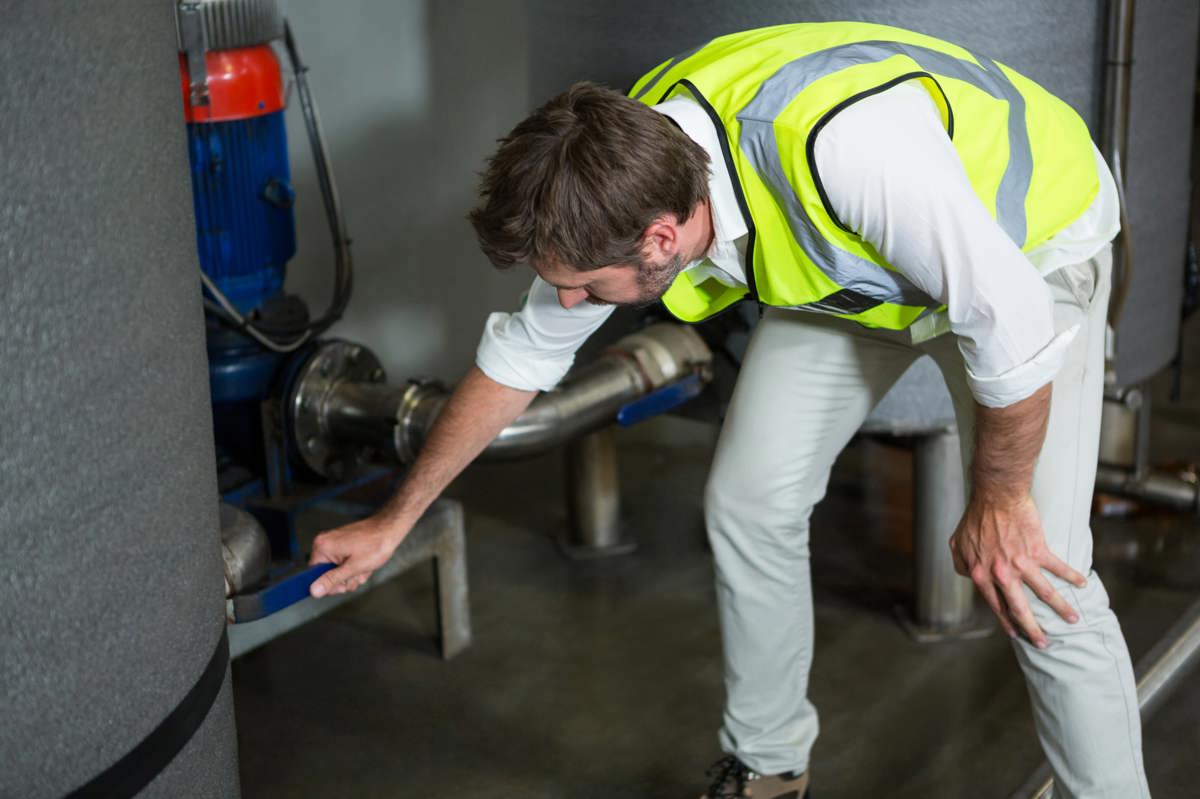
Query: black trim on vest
[(135, 770), (810, 145), (734, 178), (844, 301)]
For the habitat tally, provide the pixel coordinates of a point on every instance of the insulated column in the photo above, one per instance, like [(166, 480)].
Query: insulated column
[(112, 624)]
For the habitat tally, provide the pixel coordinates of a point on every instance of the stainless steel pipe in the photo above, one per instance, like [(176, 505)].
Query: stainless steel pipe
[(1153, 486), (342, 414)]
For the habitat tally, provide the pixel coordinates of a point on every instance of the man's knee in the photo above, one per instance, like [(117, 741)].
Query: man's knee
[(751, 516)]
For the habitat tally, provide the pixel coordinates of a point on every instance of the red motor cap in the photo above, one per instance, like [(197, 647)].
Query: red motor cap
[(242, 83)]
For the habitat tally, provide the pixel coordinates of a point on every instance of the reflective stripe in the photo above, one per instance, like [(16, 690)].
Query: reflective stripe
[(650, 84), (846, 269), (1014, 185)]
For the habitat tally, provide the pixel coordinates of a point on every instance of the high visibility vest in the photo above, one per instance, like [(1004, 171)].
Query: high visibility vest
[(770, 91)]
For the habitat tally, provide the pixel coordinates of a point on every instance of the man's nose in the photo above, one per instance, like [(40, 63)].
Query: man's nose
[(569, 298)]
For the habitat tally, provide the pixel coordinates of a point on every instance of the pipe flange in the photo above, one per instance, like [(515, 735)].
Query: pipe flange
[(421, 403), (227, 24), (330, 364), (665, 352)]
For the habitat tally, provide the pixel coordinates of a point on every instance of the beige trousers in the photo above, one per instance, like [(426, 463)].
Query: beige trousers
[(806, 385)]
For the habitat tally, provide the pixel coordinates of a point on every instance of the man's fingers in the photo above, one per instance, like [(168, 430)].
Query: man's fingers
[(1045, 592), (992, 597), (331, 582), (1020, 612), (1059, 568)]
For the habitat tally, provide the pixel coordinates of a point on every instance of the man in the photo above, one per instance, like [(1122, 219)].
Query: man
[(918, 198)]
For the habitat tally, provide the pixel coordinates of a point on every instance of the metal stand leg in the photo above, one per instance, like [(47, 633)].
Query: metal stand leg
[(943, 602), (594, 499), (450, 575)]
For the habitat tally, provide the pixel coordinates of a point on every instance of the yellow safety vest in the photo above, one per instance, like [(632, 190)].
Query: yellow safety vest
[(1027, 154)]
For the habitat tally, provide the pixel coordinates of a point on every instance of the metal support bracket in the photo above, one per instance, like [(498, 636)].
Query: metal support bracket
[(438, 535)]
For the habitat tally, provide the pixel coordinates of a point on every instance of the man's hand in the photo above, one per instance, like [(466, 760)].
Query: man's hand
[(1002, 548), (357, 549), (1000, 543), (474, 415)]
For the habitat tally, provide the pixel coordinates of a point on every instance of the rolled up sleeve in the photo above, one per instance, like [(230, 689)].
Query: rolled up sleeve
[(1021, 381), (534, 348)]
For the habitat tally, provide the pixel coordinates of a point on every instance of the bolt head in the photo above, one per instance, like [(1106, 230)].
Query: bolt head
[(312, 444)]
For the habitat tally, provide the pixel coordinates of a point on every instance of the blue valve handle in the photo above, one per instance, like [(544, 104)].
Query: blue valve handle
[(278, 595), (660, 401)]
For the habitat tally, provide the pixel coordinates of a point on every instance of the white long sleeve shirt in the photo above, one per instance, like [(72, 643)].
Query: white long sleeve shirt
[(892, 175)]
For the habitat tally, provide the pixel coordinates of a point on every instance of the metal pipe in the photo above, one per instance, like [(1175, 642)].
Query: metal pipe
[(340, 410), (582, 404), (1152, 486), (244, 548), (1114, 137), (1161, 670), (1171, 659)]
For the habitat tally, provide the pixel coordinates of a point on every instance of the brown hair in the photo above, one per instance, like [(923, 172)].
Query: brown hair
[(582, 178)]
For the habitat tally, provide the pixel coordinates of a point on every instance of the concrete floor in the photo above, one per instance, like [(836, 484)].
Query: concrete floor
[(603, 679)]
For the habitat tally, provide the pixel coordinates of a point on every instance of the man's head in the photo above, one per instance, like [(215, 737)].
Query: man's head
[(600, 194)]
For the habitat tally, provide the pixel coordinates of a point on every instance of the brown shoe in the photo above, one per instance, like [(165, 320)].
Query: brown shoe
[(733, 779)]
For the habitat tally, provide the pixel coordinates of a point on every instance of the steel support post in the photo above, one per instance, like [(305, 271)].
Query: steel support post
[(594, 498), (943, 602)]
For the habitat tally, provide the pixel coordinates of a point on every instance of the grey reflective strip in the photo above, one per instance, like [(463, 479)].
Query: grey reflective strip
[(650, 84), (1014, 185), (777, 92)]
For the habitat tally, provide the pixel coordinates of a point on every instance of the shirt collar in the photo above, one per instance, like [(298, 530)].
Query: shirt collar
[(728, 223)]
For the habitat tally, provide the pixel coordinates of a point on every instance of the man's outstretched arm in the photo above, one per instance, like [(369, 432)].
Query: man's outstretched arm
[(473, 416), (999, 542)]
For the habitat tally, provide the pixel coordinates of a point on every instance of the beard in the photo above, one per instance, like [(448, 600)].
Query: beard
[(654, 279)]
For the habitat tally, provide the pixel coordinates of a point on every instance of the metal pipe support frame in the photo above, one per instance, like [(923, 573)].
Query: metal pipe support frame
[(438, 536)]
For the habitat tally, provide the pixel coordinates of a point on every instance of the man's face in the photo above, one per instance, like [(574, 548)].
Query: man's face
[(635, 284)]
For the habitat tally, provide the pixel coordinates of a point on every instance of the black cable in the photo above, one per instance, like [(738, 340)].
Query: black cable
[(283, 336)]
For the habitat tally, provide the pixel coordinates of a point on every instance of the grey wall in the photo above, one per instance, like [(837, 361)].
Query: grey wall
[(412, 97)]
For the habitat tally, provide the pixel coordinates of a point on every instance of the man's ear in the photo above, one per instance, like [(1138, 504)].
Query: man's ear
[(661, 239)]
